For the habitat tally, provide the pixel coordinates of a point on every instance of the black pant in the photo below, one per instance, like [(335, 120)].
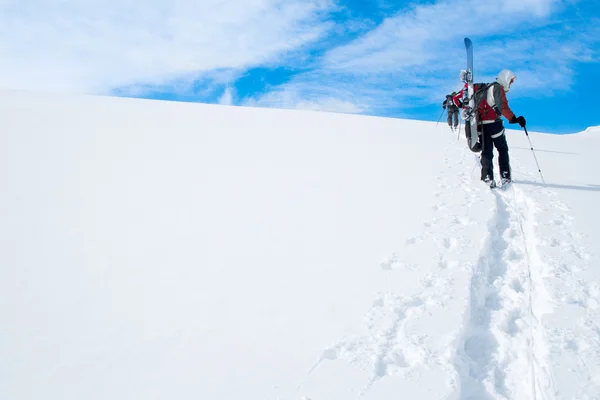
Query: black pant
[(487, 153), (453, 112)]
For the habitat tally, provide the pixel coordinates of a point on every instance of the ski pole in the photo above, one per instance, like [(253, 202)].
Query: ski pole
[(536, 161), (458, 133), (439, 118)]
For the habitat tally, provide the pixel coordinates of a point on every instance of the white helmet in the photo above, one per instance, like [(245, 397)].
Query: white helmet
[(505, 78)]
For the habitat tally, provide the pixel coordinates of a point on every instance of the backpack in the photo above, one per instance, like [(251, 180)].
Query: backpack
[(451, 104), (484, 110)]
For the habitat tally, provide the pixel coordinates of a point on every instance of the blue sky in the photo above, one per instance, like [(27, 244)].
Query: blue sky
[(384, 58)]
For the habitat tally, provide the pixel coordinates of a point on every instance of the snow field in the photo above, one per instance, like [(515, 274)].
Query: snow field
[(159, 250)]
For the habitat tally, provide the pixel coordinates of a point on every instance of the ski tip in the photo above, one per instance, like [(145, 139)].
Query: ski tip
[(468, 42)]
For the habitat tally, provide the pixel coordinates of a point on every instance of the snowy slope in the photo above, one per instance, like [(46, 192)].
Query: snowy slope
[(156, 250)]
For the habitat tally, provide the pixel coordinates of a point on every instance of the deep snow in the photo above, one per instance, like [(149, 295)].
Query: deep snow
[(157, 250)]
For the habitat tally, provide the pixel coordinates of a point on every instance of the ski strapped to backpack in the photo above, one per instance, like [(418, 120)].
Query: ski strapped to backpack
[(473, 101), (468, 101), (476, 109), (481, 106)]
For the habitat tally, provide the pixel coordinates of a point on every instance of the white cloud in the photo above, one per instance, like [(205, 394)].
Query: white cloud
[(227, 97), (414, 57), (96, 45), (197, 48), (331, 105), (421, 35), (306, 97)]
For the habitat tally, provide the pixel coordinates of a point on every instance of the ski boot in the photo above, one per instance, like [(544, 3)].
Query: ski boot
[(505, 178), (489, 181)]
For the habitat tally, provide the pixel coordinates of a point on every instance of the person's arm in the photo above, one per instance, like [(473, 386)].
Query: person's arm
[(505, 110)]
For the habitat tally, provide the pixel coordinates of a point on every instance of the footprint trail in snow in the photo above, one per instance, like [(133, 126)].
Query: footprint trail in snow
[(485, 316)]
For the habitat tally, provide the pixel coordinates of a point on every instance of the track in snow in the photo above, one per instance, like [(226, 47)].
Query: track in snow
[(505, 349), (394, 339), (514, 344), (566, 356), (495, 355)]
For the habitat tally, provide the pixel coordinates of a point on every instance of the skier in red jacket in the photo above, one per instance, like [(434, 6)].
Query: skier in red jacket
[(494, 106)]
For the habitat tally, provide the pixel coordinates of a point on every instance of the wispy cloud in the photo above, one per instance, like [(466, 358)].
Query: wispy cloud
[(93, 46), (413, 57), (377, 57), (308, 97), (425, 35), (227, 97)]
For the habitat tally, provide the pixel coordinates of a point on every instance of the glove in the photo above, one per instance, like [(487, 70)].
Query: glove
[(520, 120), (444, 107)]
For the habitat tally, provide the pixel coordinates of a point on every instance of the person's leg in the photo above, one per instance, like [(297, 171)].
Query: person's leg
[(503, 158), (456, 118), (487, 155)]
